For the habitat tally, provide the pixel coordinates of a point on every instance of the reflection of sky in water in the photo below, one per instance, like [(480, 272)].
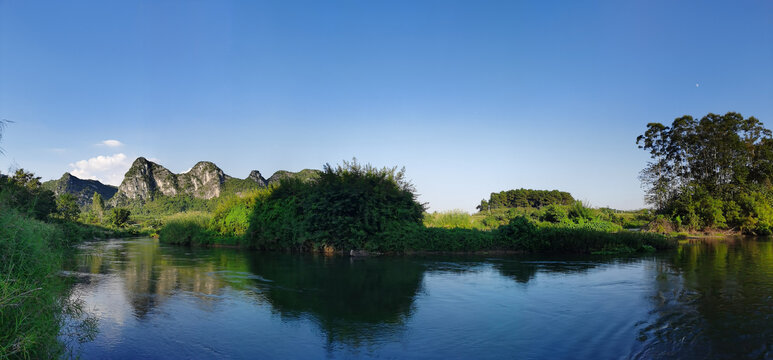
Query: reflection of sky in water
[(169, 302)]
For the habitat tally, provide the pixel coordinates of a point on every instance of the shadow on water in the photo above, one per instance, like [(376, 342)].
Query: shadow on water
[(713, 299)]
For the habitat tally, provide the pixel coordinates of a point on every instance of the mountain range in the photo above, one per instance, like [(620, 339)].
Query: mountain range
[(145, 180)]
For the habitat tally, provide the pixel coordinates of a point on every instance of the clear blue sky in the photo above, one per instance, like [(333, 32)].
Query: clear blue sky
[(470, 96)]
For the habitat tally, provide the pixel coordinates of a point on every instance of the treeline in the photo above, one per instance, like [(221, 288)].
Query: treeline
[(576, 213), (523, 198), (355, 207), (712, 173)]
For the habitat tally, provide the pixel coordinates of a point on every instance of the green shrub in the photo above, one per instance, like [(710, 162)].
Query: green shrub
[(555, 214), (579, 212), (346, 207)]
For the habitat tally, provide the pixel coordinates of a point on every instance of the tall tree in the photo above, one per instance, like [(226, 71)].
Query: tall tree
[(98, 206), (714, 172), (67, 207)]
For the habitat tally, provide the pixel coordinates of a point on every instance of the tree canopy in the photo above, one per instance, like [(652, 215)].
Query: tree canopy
[(712, 172), (526, 198)]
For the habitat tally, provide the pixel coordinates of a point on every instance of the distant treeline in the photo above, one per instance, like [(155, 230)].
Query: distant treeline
[(522, 198)]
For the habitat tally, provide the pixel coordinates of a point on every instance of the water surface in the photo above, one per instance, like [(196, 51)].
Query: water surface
[(704, 300)]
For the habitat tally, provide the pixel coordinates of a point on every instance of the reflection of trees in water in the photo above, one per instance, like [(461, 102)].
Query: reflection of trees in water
[(524, 268), (713, 300), (354, 301), (151, 274)]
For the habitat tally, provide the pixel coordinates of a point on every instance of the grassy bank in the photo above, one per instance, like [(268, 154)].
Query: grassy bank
[(33, 297), (36, 230), (521, 235), (29, 288)]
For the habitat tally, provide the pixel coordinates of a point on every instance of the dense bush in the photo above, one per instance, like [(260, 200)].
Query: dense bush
[(232, 213), (346, 207)]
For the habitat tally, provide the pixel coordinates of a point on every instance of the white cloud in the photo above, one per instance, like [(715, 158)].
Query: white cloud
[(107, 169), (110, 143)]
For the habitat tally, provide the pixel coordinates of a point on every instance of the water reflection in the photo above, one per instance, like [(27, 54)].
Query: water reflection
[(713, 299), (352, 300), (150, 274), (704, 300)]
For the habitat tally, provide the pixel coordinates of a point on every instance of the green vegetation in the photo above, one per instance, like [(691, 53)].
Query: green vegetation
[(710, 174), (525, 198), (364, 208), (35, 230)]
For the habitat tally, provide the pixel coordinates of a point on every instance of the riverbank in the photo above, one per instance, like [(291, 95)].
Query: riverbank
[(33, 297), (520, 236)]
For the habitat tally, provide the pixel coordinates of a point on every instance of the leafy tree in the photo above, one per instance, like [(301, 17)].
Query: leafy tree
[(24, 192), (67, 207), (119, 217), (98, 206), (700, 169)]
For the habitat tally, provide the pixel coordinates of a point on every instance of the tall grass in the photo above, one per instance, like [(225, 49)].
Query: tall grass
[(30, 290), (190, 228), (453, 219)]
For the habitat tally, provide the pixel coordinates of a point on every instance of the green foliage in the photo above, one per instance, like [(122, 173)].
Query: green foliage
[(578, 212), (345, 208), (525, 198), (234, 186), (98, 207), (457, 219), (232, 213), (119, 217), (162, 205), (67, 207), (555, 214), (585, 238), (705, 172), (365, 208), (29, 308), (190, 228), (24, 192), (33, 297)]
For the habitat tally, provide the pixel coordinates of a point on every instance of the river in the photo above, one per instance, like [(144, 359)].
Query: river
[(707, 299)]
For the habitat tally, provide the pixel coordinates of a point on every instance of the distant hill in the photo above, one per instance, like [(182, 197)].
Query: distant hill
[(146, 180), (83, 189)]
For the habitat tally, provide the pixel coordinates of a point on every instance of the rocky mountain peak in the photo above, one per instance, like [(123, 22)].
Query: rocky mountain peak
[(205, 180), (257, 177), (82, 189)]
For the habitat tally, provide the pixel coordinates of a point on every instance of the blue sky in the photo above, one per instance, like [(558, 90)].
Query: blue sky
[(470, 96)]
